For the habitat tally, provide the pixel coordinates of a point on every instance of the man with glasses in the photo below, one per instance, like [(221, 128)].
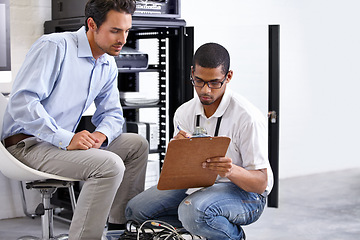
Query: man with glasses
[(244, 175)]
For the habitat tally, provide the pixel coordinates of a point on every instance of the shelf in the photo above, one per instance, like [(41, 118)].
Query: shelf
[(143, 106), (151, 68), (73, 24)]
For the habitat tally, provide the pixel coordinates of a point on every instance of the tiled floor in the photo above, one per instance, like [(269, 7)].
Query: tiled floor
[(316, 207)]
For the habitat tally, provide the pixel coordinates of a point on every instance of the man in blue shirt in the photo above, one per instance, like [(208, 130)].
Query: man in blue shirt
[(62, 75)]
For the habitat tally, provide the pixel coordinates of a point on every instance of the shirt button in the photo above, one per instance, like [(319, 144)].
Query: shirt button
[(60, 143)]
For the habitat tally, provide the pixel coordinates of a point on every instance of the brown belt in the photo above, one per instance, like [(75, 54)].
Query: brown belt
[(14, 139)]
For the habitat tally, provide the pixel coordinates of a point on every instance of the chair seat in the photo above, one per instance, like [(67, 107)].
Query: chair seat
[(14, 169), (46, 183)]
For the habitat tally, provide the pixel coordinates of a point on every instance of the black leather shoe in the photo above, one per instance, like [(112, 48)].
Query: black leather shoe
[(115, 226)]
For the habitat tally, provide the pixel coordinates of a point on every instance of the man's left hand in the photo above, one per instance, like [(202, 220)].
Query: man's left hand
[(100, 137), (221, 165)]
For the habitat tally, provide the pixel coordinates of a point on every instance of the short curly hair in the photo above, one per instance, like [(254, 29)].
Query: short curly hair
[(212, 55)]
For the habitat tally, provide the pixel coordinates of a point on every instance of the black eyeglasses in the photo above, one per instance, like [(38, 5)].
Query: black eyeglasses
[(211, 84)]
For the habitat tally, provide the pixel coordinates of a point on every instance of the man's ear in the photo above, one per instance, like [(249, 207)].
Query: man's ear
[(229, 76), (91, 24)]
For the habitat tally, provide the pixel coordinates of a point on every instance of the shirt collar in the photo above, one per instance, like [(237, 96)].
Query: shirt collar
[(225, 101), (84, 49)]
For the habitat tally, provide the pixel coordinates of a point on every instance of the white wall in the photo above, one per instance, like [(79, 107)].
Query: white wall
[(319, 73), (319, 44), (27, 19)]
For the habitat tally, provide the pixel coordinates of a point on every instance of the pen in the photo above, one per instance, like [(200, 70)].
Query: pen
[(178, 127), (187, 135)]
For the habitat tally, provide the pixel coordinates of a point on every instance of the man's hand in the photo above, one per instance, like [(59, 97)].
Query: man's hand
[(182, 134), (85, 140), (100, 137), (248, 180), (221, 165)]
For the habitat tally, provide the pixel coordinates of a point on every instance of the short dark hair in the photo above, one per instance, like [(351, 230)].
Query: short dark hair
[(212, 55), (98, 9)]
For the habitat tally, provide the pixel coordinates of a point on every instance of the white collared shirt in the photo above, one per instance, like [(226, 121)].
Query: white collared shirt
[(241, 121)]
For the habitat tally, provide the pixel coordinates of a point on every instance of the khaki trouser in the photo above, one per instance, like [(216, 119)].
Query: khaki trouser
[(111, 176)]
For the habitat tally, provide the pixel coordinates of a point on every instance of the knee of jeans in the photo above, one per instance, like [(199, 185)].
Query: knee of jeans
[(189, 214), (132, 212), (129, 212), (193, 213)]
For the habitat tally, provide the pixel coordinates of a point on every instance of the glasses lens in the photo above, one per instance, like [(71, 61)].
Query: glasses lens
[(214, 84), (200, 83)]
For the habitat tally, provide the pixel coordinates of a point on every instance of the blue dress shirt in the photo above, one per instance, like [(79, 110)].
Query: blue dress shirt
[(57, 82)]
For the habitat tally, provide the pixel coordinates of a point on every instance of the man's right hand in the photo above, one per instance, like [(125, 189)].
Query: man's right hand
[(182, 135), (82, 141)]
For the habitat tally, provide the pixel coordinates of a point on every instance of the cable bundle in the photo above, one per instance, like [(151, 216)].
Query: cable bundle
[(154, 230)]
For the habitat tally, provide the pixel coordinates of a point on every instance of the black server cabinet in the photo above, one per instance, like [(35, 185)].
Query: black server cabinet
[(175, 43)]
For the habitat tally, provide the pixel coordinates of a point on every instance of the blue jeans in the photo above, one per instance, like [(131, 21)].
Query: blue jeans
[(215, 212)]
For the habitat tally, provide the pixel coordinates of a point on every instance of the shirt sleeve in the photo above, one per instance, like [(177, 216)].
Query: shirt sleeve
[(253, 145), (108, 117), (34, 83)]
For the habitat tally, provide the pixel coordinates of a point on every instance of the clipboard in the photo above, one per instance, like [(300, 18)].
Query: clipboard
[(182, 166)]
